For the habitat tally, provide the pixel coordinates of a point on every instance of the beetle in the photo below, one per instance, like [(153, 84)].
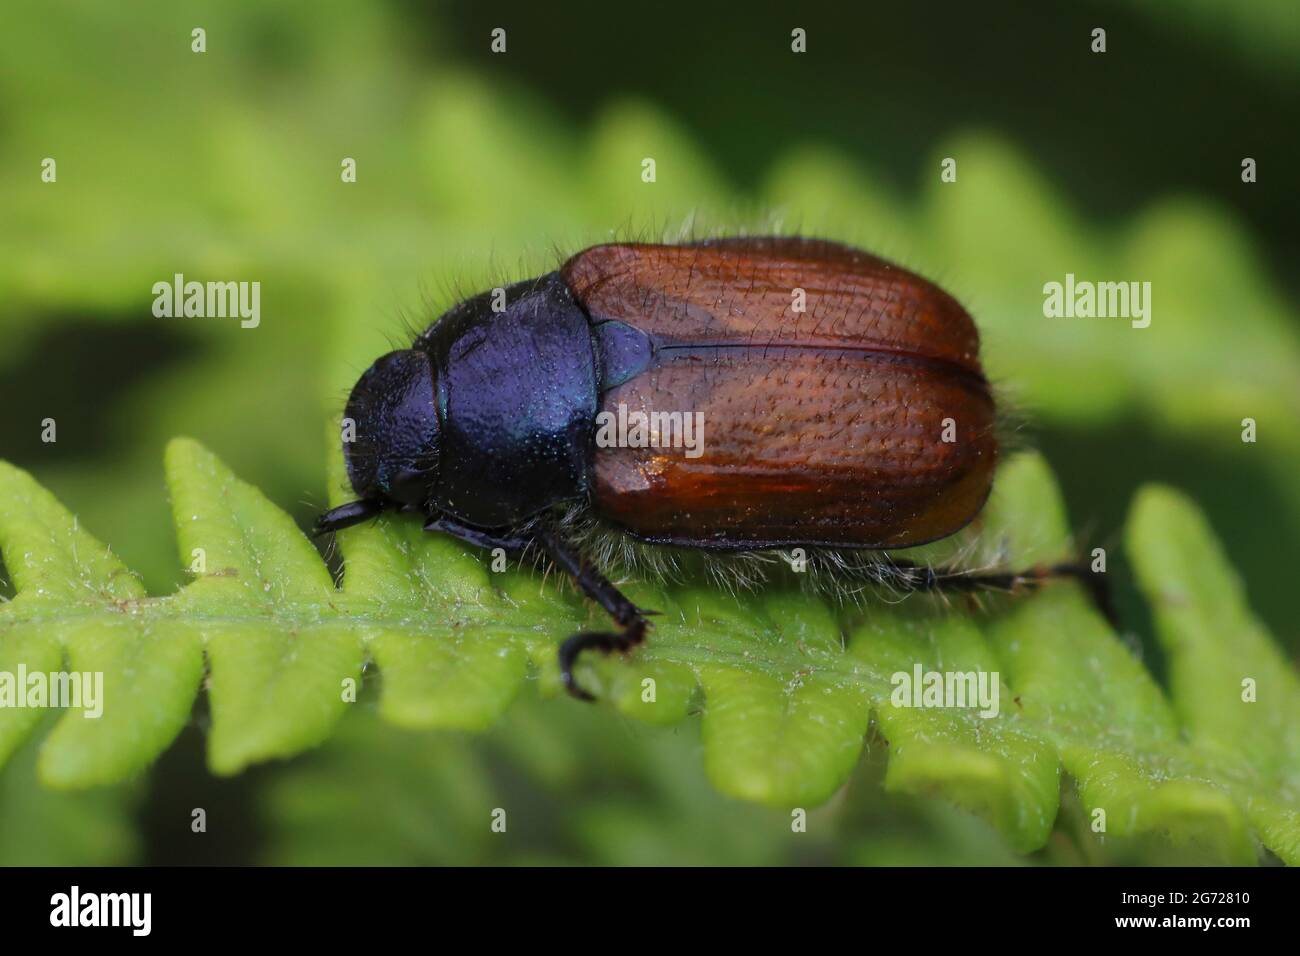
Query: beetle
[(860, 423)]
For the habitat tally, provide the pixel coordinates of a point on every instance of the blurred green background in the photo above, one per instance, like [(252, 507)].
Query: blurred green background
[(473, 167)]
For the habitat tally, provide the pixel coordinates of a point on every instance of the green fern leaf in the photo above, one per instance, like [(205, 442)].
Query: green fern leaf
[(787, 695)]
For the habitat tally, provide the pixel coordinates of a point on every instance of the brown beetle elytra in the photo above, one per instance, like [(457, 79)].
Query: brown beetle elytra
[(825, 425)]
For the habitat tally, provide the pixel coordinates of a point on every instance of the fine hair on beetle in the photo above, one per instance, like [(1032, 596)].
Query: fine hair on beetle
[(831, 466)]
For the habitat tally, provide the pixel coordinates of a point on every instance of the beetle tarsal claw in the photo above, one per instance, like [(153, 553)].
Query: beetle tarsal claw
[(607, 642)]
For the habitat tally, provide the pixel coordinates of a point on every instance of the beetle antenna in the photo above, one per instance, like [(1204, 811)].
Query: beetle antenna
[(344, 516)]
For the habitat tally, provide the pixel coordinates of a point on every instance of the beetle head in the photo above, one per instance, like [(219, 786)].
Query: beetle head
[(393, 454)]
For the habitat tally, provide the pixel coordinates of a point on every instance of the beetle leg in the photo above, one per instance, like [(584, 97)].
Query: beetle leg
[(592, 583), (1097, 584), (475, 536), (910, 576)]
